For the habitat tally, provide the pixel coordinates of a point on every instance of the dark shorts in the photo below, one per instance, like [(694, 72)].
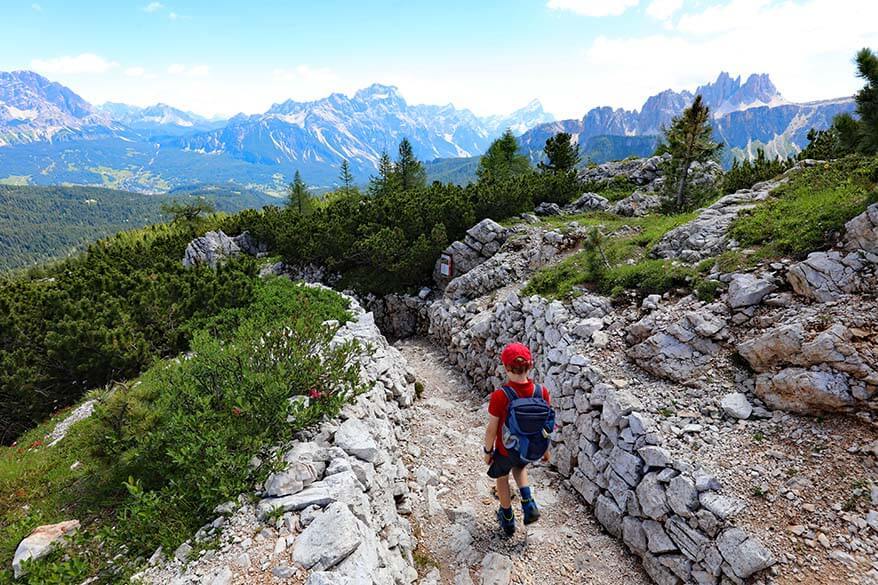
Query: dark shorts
[(503, 464)]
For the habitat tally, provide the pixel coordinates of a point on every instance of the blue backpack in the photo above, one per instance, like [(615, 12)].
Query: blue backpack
[(529, 422)]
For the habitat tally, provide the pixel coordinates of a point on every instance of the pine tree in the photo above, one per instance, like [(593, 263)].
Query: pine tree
[(502, 160), (867, 101), (180, 211), (384, 181), (689, 139), (298, 196), (408, 170), (562, 155), (345, 176)]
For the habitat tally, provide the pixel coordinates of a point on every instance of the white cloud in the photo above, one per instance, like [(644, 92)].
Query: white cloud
[(153, 7), (189, 70), (135, 71), (36, 7), (73, 65), (806, 48), (593, 7), (173, 16), (663, 9)]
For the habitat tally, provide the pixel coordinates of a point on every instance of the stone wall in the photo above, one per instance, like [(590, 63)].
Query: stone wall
[(333, 508), (668, 512)]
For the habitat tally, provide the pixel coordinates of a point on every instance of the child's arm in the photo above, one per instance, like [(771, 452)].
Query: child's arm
[(490, 436)]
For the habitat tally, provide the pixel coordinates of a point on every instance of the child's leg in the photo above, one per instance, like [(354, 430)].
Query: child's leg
[(520, 475), (528, 505), (503, 491)]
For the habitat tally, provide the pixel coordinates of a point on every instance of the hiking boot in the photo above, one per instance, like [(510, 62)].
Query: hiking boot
[(507, 523), (531, 511)]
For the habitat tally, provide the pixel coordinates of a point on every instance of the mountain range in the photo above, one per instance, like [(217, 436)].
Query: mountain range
[(745, 115), (51, 135)]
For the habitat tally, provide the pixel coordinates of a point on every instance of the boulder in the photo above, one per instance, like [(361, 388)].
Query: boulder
[(862, 231), (637, 204), (588, 202), (545, 208), (736, 405), (745, 556), (678, 351), (41, 542), (354, 437), (329, 539), (210, 249), (826, 276), (746, 290), (496, 570), (805, 391)]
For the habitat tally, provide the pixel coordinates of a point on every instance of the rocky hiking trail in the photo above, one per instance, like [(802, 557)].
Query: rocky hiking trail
[(459, 541)]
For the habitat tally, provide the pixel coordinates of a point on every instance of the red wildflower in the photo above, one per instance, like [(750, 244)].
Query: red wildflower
[(315, 394), (236, 411)]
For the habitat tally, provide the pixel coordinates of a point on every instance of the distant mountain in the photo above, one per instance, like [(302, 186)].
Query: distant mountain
[(48, 134), (34, 109), (158, 120), (746, 116), (315, 136)]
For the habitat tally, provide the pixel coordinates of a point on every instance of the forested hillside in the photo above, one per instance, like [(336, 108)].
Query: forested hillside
[(41, 223)]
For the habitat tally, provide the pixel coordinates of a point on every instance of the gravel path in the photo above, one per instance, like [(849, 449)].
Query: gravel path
[(454, 510)]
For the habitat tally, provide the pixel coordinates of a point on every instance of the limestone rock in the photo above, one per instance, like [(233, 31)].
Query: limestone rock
[(588, 202), (40, 542), (496, 570), (546, 208), (354, 437), (213, 247), (746, 290), (637, 204), (862, 231), (744, 555), (329, 539), (736, 405), (706, 235), (826, 276)]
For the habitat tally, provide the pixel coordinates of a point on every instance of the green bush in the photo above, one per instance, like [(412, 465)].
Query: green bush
[(809, 212), (185, 433), (744, 175), (162, 451), (104, 316), (647, 277)]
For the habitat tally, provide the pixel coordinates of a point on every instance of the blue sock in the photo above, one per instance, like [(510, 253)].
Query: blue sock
[(525, 493), (507, 512)]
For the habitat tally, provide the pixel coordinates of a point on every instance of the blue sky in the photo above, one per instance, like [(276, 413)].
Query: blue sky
[(224, 56)]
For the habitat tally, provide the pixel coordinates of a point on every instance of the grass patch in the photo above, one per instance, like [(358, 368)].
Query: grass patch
[(626, 251), (809, 212), (160, 453)]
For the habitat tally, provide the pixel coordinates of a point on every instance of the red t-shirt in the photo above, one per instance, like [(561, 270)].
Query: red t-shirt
[(499, 405)]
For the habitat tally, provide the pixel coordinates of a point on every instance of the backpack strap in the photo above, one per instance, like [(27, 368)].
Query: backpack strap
[(539, 392), (511, 395)]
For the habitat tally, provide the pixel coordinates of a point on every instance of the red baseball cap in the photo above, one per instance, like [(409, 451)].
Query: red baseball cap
[(513, 351)]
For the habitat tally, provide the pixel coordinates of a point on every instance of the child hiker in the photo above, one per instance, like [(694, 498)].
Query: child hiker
[(520, 420)]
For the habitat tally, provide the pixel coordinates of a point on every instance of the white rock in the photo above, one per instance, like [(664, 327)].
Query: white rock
[(41, 542), (329, 539), (354, 437), (496, 570), (736, 405)]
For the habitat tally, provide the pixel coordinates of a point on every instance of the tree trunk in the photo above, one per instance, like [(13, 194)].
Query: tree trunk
[(681, 191)]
